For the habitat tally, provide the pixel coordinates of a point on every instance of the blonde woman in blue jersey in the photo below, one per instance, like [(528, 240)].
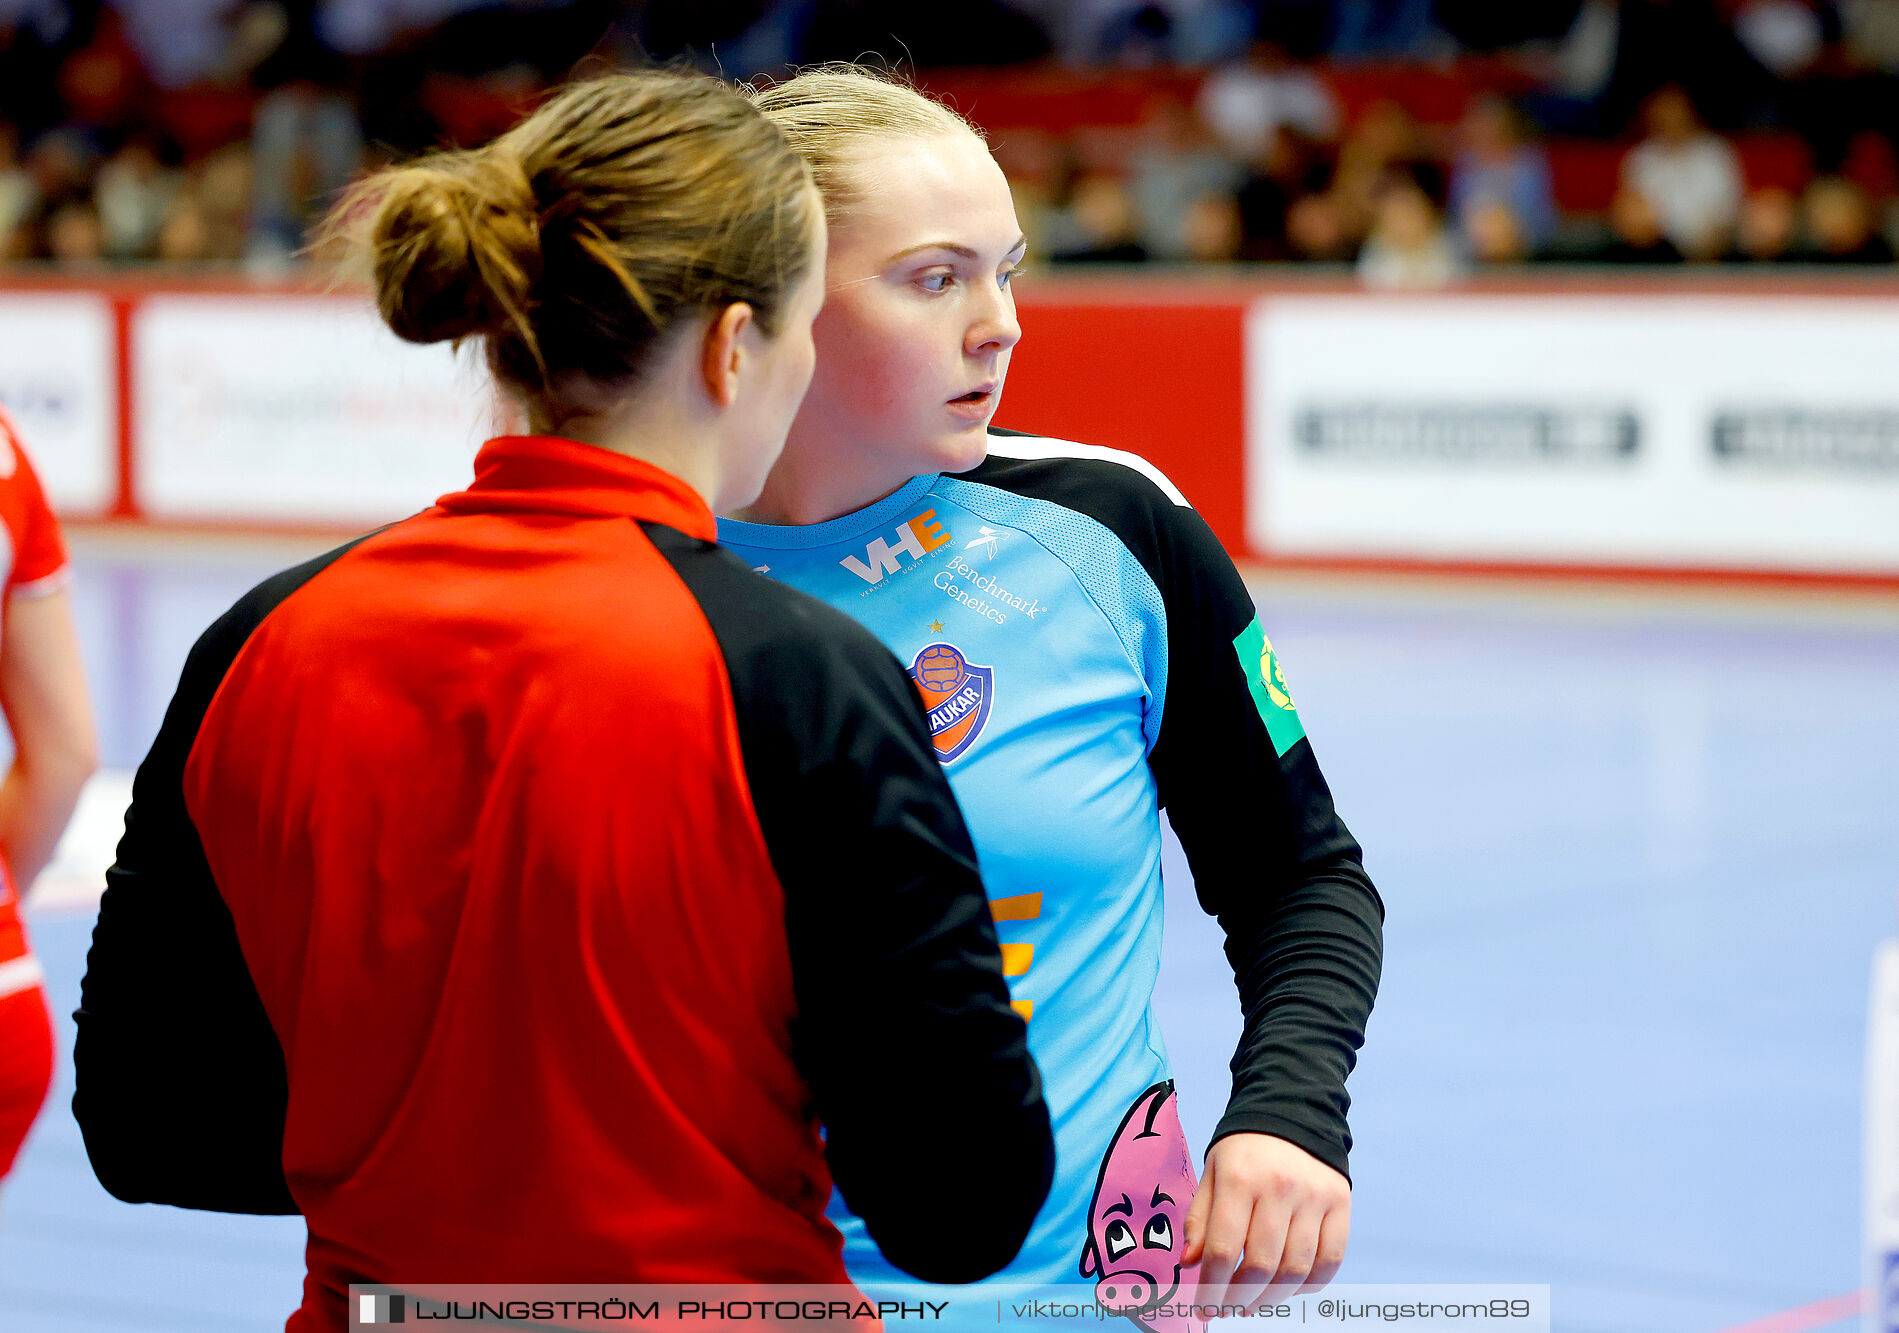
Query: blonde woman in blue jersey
[(1089, 656)]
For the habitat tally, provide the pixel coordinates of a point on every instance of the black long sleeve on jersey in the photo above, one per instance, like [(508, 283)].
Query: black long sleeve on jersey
[(1270, 856), (919, 1067)]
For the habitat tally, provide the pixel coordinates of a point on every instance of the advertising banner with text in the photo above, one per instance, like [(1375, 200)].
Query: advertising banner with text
[(59, 383), (297, 409), (1668, 431)]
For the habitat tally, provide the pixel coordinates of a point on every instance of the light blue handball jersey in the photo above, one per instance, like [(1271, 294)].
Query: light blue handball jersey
[(1087, 654)]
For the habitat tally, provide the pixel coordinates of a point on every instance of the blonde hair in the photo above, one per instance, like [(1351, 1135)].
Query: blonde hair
[(576, 240), (832, 113)]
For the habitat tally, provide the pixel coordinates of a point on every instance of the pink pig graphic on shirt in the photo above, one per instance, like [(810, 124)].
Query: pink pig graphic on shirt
[(1137, 1220)]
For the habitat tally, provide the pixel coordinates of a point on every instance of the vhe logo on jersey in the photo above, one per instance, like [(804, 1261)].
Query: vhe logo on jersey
[(957, 694), (916, 539)]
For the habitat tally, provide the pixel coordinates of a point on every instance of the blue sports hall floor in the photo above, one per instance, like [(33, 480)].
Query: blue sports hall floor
[(1636, 848)]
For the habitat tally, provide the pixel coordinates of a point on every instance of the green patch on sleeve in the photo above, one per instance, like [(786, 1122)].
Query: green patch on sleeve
[(1271, 695)]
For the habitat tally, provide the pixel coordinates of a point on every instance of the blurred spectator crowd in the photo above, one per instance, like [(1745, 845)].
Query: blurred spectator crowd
[(1416, 139)]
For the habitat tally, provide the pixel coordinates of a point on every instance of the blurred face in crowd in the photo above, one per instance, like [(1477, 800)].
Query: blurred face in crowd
[(1633, 218), (137, 160), (1838, 217), (1494, 235), (1767, 224), (1316, 229), (74, 235), (914, 338), (1490, 130), (58, 163), (1104, 211), (1211, 229), (1671, 116), (1385, 134), (185, 237), (1406, 220)]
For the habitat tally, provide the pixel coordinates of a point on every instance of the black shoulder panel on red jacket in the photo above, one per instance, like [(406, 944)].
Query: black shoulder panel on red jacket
[(179, 1082)]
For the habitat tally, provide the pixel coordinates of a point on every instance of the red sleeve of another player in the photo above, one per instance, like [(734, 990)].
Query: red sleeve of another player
[(39, 552)]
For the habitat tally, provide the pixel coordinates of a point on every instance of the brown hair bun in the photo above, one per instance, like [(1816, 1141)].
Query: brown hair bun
[(457, 248), (572, 244)]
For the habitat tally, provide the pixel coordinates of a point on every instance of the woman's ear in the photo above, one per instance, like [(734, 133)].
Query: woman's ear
[(723, 354)]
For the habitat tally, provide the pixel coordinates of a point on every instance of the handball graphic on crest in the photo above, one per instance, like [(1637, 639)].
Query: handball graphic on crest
[(939, 669), (957, 694)]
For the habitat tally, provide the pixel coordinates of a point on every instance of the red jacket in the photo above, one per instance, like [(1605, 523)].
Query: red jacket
[(562, 856)]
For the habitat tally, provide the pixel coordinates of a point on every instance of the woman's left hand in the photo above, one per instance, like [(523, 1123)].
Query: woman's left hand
[(1266, 1213)]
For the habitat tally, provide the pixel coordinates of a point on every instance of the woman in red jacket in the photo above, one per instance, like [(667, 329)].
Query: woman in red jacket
[(513, 891)]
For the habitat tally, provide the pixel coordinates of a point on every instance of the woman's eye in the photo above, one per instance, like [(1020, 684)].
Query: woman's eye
[(1008, 275), (942, 282)]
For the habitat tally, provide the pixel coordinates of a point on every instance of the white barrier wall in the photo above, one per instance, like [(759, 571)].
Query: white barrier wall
[(59, 382), (1735, 432), (1666, 430), (297, 409)]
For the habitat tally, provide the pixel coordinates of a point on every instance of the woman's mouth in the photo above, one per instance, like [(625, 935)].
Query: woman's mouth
[(975, 403)]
